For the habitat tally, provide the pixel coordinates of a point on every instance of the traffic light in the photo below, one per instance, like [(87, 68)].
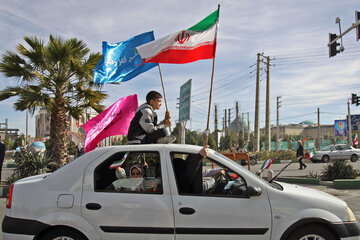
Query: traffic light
[(333, 46), (355, 99), (357, 19)]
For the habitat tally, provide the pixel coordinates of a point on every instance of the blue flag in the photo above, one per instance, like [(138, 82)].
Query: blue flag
[(121, 62)]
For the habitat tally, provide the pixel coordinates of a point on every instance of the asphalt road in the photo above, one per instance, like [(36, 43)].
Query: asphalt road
[(293, 169)]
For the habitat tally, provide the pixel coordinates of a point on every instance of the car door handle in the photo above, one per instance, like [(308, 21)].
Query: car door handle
[(187, 211), (93, 206)]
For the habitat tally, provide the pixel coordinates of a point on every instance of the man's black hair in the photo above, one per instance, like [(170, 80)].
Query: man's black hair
[(152, 95)]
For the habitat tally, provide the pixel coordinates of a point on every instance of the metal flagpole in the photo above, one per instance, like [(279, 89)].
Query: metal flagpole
[(211, 86), (162, 84)]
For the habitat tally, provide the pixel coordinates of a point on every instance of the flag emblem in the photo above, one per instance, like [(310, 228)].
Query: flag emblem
[(182, 37)]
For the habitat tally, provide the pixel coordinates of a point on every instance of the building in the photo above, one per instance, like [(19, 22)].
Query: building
[(75, 134), (307, 129), (13, 133)]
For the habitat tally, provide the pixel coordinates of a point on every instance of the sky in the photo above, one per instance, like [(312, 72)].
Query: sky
[(294, 34)]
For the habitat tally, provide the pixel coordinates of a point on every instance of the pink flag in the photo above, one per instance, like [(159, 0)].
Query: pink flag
[(113, 121)]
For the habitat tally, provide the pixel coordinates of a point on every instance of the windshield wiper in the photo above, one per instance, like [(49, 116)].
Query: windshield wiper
[(281, 171)]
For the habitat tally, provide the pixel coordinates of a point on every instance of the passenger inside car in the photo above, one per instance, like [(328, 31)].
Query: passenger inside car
[(139, 172), (193, 177)]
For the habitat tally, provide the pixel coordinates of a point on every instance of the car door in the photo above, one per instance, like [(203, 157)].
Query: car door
[(337, 153), (123, 212), (347, 152), (207, 216)]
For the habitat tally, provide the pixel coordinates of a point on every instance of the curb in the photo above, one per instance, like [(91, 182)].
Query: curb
[(347, 183), (313, 181), (4, 190)]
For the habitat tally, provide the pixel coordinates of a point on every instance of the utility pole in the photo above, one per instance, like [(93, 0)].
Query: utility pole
[(242, 126), (349, 124), (216, 118), (229, 122), (226, 131), (277, 123), (248, 138), (237, 119), (26, 132), (267, 123), (318, 135), (257, 108)]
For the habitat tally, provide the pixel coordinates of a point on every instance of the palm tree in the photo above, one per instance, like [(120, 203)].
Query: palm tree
[(57, 77)]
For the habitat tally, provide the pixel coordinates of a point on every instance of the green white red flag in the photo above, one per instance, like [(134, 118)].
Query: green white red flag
[(356, 139), (185, 46), (266, 164), (310, 153)]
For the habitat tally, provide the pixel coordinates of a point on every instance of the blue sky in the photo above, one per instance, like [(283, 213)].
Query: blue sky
[(293, 33)]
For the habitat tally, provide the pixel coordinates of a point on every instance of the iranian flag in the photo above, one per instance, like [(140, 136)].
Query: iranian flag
[(310, 153), (356, 140), (185, 46), (266, 164)]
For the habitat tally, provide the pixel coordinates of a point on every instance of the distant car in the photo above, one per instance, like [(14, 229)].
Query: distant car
[(87, 200), (336, 152)]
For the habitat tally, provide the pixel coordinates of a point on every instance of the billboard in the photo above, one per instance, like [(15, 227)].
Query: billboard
[(340, 128), (185, 98), (355, 119)]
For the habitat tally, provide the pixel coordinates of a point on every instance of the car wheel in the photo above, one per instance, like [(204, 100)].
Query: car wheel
[(63, 234), (326, 158), (354, 158), (310, 232)]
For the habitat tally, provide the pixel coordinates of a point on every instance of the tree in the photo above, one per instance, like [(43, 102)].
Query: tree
[(57, 77), (18, 141)]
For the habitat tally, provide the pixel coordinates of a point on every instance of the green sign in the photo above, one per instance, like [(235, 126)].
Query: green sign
[(185, 98)]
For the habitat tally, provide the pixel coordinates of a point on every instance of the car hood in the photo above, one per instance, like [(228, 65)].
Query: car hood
[(310, 194)]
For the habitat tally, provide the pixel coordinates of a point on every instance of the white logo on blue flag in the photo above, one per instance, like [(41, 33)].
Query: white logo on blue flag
[(121, 62)]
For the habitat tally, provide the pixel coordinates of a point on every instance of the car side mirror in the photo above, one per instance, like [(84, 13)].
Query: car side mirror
[(253, 191)]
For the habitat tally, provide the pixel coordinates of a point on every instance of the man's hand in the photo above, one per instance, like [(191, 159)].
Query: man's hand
[(167, 119), (204, 151), (219, 173)]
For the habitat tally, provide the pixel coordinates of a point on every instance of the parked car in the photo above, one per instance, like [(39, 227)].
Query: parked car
[(86, 199), (336, 152)]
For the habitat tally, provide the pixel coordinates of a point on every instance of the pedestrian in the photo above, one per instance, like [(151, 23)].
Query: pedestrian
[(300, 155), (144, 127), (2, 155)]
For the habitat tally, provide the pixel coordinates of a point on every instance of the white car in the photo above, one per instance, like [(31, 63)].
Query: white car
[(336, 152), (87, 199)]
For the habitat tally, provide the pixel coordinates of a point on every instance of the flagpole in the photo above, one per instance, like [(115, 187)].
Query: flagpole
[(211, 87), (162, 84)]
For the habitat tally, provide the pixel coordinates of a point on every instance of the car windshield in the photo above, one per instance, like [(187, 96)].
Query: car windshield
[(326, 148)]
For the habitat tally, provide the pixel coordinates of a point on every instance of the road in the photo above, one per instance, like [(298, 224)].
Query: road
[(293, 169)]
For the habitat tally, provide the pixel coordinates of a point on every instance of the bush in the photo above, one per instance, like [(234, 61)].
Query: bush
[(338, 170), (29, 163), (281, 155)]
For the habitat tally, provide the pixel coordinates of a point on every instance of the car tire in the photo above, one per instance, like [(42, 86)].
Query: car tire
[(312, 231), (63, 233), (354, 158), (325, 159)]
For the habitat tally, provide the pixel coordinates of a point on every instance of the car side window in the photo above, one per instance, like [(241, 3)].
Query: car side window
[(196, 175), (130, 172), (338, 148)]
